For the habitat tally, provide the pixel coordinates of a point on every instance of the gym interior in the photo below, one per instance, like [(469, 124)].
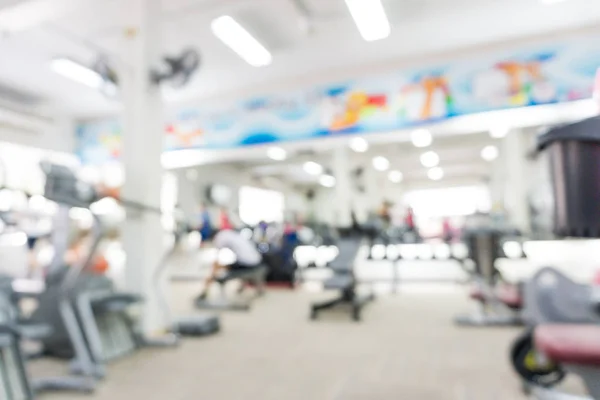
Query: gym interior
[(299, 199)]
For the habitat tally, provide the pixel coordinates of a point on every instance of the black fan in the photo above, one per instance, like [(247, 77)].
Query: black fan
[(177, 70)]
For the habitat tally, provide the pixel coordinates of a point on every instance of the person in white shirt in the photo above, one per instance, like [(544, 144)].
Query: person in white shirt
[(246, 255)]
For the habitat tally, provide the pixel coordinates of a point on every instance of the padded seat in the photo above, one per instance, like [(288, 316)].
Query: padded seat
[(115, 302), (510, 295), (569, 344), (339, 282)]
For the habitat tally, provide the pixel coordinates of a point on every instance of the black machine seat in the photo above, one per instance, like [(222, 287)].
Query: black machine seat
[(115, 302), (241, 273), (339, 282), (344, 281)]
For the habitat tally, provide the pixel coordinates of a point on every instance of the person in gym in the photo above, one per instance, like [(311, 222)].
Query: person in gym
[(246, 255)]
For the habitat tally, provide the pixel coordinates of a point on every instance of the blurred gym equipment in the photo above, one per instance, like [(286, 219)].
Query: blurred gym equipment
[(91, 321), (559, 345), (499, 303), (344, 281)]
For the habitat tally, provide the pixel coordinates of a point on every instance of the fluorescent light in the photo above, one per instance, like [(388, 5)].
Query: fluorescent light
[(327, 180), (549, 2), (499, 132), (395, 176), (430, 159), (381, 163), (241, 41), (370, 19), (277, 153), (77, 72), (359, 145), (435, 174), (421, 138), (489, 153), (312, 168)]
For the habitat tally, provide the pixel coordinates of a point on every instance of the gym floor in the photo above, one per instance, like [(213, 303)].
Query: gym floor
[(406, 347)]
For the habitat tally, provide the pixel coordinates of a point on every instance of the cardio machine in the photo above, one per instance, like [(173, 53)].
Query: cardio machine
[(92, 322), (197, 325)]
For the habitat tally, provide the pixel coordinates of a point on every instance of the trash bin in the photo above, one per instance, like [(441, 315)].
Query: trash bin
[(574, 152)]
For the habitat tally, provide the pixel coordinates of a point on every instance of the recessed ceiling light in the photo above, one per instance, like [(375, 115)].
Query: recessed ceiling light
[(489, 153), (381, 163), (499, 132), (395, 176), (312, 168), (421, 138), (370, 19), (241, 41), (277, 153), (430, 159), (359, 145), (435, 174), (327, 180)]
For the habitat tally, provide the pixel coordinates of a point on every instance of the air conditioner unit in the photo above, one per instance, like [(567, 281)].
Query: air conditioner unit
[(19, 110), (24, 121)]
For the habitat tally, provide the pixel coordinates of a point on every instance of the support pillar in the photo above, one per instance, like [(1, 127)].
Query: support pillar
[(143, 236), (344, 195), (516, 188)]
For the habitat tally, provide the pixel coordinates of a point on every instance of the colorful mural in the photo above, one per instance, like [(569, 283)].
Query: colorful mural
[(558, 72)]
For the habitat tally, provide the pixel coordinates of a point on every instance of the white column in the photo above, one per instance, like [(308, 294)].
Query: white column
[(142, 148), (515, 188), (497, 183), (374, 184), (344, 193)]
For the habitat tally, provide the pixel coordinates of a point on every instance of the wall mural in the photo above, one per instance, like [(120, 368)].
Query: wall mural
[(555, 73)]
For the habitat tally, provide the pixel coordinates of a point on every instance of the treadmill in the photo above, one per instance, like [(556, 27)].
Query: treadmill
[(196, 325)]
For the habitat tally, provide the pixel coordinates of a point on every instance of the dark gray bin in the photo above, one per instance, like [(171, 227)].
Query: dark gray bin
[(574, 152)]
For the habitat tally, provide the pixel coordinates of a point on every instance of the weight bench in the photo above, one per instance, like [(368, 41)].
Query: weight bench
[(344, 281), (577, 349), (255, 277)]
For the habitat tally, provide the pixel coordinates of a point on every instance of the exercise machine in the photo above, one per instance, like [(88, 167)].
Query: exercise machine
[(344, 281), (573, 344), (197, 325), (91, 322), (498, 303), (550, 297)]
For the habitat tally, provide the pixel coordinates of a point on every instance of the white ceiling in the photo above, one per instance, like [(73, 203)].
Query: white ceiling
[(330, 48)]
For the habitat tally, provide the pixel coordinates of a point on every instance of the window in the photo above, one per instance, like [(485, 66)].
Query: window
[(447, 202), (260, 205)]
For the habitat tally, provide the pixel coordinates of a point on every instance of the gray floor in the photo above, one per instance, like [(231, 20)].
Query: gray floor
[(406, 348)]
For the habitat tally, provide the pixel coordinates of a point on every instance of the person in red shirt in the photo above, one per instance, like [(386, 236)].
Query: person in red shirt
[(224, 221)]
